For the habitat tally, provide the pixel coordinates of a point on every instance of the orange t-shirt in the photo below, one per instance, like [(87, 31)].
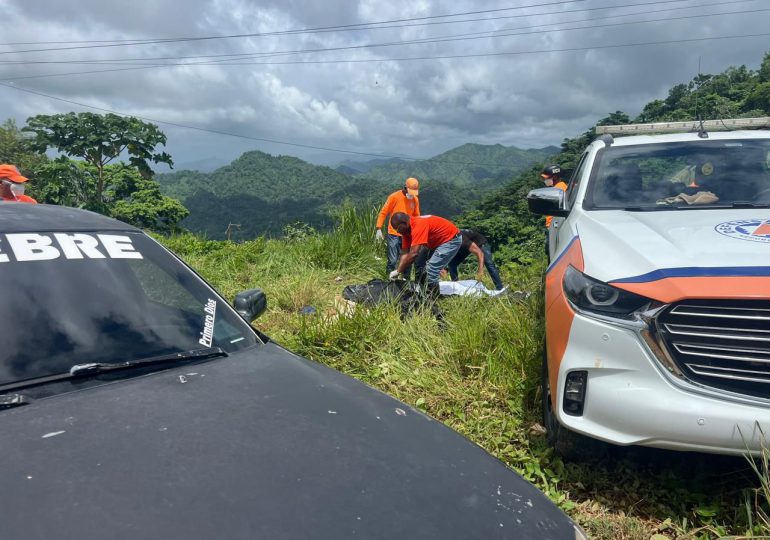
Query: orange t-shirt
[(21, 198), (397, 202), (562, 186), (429, 230)]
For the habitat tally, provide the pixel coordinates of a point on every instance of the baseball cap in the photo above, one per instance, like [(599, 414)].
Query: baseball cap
[(550, 171), (11, 173), (413, 186)]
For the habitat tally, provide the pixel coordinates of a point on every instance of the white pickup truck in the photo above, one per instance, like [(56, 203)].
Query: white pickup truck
[(657, 296)]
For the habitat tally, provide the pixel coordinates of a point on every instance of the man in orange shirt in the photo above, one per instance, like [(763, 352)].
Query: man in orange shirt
[(12, 185), (440, 236), (405, 200), (551, 176)]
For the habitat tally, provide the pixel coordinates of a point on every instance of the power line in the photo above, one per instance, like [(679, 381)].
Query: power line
[(435, 39), (237, 135), (233, 62), (412, 58), (355, 152), (294, 31)]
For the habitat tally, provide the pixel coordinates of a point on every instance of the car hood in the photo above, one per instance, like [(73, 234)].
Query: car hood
[(263, 444), (621, 245)]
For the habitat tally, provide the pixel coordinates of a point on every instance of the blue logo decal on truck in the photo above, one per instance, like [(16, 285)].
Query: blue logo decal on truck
[(754, 230)]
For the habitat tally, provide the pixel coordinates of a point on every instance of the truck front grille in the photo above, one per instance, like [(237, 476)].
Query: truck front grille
[(722, 344)]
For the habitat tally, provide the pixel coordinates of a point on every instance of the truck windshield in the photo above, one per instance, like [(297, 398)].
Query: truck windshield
[(74, 298), (691, 174)]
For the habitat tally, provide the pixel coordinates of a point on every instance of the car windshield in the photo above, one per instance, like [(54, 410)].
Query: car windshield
[(693, 175), (73, 298)]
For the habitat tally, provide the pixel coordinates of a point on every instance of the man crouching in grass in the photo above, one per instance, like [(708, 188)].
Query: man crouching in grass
[(440, 236)]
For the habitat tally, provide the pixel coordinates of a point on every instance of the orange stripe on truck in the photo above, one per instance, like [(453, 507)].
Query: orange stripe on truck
[(558, 313), (674, 289)]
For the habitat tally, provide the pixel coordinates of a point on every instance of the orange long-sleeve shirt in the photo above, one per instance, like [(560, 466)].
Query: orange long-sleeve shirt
[(397, 202)]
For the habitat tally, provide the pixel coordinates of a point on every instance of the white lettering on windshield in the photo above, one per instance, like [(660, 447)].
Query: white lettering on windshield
[(32, 247), (119, 247), (207, 336), (74, 246), (27, 247)]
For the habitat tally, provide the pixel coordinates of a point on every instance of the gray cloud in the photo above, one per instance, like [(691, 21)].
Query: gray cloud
[(417, 107)]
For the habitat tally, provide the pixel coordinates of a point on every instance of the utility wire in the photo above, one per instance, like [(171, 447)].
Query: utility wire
[(435, 39), (339, 150), (240, 136), (409, 59), (295, 31), (347, 29)]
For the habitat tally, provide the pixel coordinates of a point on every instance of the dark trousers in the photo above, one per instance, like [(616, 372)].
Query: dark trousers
[(489, 264)]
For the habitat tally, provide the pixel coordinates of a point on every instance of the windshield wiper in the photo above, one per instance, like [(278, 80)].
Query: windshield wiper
[(9, 401), (746, 204), (643, 208), (79, 370), (86, 370)]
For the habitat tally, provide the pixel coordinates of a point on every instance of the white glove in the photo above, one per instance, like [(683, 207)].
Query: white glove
[(393, 275), (378, 235)]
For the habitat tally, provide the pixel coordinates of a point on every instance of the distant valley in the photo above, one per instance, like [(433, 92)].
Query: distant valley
[(262, 193)]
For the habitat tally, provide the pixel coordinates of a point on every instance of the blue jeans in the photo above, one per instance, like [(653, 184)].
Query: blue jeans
[(394, 254), (394, 250), (441, 257), (489, 264)]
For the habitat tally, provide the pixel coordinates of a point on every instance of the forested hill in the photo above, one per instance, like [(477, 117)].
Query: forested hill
[(477, 165), (738, 92), (264, 193)]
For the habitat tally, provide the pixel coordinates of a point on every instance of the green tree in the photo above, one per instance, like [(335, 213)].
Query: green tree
[(17, 149), (98, 140), (137, 200), (64, 182), (764, 69)]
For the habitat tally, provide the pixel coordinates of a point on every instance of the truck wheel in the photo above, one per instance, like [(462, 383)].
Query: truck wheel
[(569, 445)]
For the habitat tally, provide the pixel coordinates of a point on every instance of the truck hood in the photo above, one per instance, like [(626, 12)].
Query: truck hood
[(263, 444), (622, 245)]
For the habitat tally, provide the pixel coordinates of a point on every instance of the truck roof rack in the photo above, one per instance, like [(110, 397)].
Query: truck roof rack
[(693, 126)]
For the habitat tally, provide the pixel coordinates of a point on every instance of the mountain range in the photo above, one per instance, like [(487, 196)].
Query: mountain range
[(263, 193)]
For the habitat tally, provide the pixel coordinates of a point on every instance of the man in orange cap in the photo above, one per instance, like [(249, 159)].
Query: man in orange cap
[(12, 185), (405, 200)]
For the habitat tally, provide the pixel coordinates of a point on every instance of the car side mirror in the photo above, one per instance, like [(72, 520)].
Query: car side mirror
[(250, 304), (547, 202)]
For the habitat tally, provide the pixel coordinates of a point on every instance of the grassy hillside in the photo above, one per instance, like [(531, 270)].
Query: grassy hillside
[(470, 165), (479, 376)]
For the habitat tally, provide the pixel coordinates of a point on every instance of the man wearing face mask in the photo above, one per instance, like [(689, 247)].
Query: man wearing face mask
[(12, 185), (405, 200), (552, 178)]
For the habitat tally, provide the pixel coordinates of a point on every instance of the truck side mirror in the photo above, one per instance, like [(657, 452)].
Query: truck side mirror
[(548, 201), (250, 304)]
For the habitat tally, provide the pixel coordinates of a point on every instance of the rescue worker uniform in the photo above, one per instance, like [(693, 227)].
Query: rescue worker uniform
[(562, 186), (440, 236), (398, 202)]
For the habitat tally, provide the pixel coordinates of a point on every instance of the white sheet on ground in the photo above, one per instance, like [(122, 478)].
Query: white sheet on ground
[(467, 287)]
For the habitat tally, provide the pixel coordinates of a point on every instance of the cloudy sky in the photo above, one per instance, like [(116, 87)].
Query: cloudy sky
[(428, 76)]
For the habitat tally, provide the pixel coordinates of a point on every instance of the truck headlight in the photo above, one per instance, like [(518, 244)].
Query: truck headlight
[(594, 296)]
